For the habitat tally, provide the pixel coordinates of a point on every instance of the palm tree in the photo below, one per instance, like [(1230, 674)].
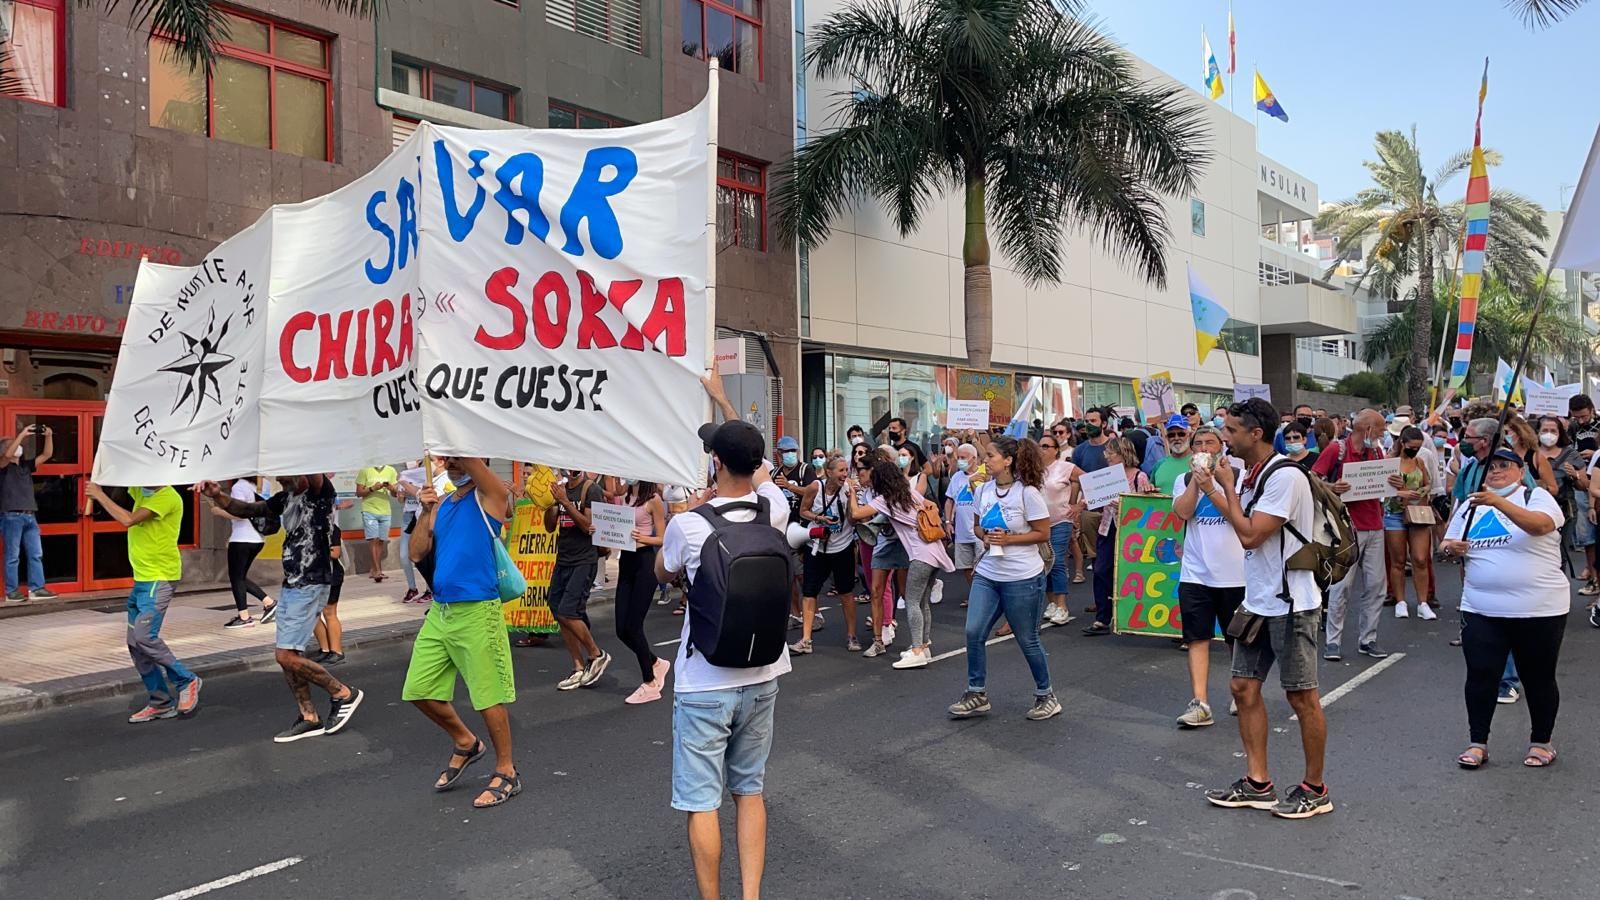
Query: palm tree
[(1544, 13), (1504, 316), (1037, 118), (1414, 234)]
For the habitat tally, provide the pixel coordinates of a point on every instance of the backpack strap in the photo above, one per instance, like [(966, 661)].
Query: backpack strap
[(714, 513)]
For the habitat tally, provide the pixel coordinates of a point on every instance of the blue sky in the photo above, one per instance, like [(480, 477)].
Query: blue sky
[(1340, 82)]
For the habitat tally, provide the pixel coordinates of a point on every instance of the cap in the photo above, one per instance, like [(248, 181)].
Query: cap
[(1509, 455), (1178, 421), (788, 443), (1404, 409), (737, 443)]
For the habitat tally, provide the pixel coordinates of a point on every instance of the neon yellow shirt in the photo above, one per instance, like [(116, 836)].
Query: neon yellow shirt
[(376, 504), (153, 543)]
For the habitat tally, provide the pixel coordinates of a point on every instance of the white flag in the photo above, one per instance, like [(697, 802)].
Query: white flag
[(1578, 245)]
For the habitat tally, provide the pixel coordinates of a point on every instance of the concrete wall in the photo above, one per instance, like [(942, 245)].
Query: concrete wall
[(1335, 404)]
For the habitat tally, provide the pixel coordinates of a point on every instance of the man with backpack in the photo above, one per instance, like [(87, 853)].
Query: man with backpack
[(1367, 582), (1277, 516), (733, 551)]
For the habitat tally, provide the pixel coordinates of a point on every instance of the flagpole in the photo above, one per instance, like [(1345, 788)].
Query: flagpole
[(1233, 77), (1522, 356), (1225, 352)]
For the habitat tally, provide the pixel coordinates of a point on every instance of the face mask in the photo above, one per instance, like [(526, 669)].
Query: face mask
[(894, 437), (629, 482), (790, 458), (1439, 442), (1216, 421), (1093, 431), (1508, 490), (1369, 443), (1547, 439), (961, 465), (1294, 448), (950, 449), (1411, 451), (903, 462), (146, 492), (461, 480), (856, 440), (818, 462)]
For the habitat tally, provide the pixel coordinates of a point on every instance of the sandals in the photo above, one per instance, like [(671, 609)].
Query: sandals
[(1097, 629), (1474, 757), (508, 786), (452, 774), (1539, 756), (1078, 578)]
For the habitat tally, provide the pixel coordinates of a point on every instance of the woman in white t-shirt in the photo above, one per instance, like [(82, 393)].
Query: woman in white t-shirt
[(244, 543), (1514, 599), (1013, 523)]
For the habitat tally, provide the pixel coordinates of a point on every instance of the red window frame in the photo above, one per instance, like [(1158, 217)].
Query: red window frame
[(748, 19), (580, 111), (472, 84), (59, 7), (744, 187), (272, 64)]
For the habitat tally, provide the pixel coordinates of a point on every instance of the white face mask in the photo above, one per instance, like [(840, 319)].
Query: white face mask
[(856, 440), (1547, 439)]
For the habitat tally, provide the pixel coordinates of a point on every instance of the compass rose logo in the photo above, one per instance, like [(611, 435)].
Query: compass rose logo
[(198, 367)]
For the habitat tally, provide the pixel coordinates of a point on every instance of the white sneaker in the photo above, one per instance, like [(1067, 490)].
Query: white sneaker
[(899, 603), (1055, 615), (937, 593), (888, 633), (1400, 611), (1425, 612), (913, 659)]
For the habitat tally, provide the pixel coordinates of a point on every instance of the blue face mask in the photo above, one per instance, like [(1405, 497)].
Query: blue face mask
[(961, 464), (1369, 443), (1508, 490), (1294, 448), (1216, 421), (1439, 442), (462, 481), (790, 457), (818, 462)]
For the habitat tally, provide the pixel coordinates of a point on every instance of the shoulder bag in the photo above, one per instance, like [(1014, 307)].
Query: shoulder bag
[(508, 578)]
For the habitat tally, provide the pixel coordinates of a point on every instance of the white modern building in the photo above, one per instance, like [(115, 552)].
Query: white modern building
[(882, 315)]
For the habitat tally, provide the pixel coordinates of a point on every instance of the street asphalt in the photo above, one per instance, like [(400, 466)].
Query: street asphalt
[(872, 791)]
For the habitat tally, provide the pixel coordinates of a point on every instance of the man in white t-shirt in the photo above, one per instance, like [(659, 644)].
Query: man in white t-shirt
[(722, 718), (1277, 622), (958, 509)]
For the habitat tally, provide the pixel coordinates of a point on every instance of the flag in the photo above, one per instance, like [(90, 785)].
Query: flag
[(1209, 317), (1578, 245), (1477, 237), (1213, 73), (1502, 381), (1266, 102), (1233, 58)]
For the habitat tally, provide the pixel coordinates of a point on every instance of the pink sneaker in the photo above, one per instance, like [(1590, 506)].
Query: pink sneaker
[(189, 697), (644, 693), (151, 713), (660, 670)]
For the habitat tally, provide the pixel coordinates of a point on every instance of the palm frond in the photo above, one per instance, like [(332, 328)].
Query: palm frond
[(194, 26), (1544, 13)]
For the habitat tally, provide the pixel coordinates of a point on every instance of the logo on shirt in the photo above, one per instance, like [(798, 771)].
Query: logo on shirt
[(964, 495), (1488, 531)]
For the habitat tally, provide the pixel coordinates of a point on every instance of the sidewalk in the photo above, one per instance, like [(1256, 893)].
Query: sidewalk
[(79, 654)]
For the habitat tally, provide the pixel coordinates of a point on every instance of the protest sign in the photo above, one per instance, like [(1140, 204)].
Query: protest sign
[(993, 387), (730, 356), (1243, 392), (1369, 480), (963, 414), (1102, 486), (1542, 401), (516, 294), (613, 526), (533, 551), (1149, 561), (1157, 398)]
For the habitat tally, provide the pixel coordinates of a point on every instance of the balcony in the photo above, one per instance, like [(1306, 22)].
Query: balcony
[(1306, 310)]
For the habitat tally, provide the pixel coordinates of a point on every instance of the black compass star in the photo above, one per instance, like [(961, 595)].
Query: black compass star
[(199, 366)]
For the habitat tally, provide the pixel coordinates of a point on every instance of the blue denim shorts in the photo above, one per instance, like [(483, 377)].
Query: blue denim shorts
[(374, 526), (1582, 529), (720, 741), (1394, 522), (298, 608)]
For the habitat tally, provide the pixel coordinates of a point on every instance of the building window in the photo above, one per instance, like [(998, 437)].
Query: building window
[(451, 89), (619, 23), (33, 51), (1239, 336), (1197, 217), (271, 87), (730, 31), (565, 115), (741, 203)]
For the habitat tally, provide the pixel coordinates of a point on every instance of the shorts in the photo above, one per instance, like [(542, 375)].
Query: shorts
[(468, 638), (1393, 521), (841, 566), (298, 608), (965, 555), (890, 555), (720, 741), (375, 527), (1206, 610), (569, 590), (1290, 641), (1582, 528)]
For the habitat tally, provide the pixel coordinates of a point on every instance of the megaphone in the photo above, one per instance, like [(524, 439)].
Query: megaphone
[(798, 533)]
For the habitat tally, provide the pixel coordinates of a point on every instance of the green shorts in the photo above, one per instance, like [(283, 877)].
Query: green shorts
[(469, 638)]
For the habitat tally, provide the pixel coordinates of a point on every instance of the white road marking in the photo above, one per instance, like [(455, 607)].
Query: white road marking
[(1249, 865), (989, 643), (231, 880), (1329, 698)]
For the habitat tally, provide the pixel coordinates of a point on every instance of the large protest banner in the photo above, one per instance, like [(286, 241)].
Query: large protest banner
[(1149, 559), (533, 550), (523, 294)]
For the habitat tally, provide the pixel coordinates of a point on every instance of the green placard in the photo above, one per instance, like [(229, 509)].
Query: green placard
[(1149, 559)]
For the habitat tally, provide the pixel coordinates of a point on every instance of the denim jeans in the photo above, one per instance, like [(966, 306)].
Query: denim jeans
[(1509, 679), (406, 565), (1061, 543), (1022, 602), (21, 533), (152, 658), (1105, 570)]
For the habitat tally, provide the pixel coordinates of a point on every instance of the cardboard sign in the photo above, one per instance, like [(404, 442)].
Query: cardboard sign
[(1149, 561), (996, 388), (730, 355), (613, 526), (963, 414), (1548, 401), (1369, 480), (1103, 486), (1243, 392), (1157, 399), (533, 551)]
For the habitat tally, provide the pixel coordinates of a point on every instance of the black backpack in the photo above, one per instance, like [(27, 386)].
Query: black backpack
[(739, 598)]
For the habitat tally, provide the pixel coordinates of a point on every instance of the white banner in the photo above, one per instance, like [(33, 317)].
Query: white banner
[(963, 414), (1103, 485), (523, 294), (1369, 479)]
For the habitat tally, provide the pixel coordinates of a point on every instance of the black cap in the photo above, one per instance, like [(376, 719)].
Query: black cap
[(737, 444), (1509, 455)]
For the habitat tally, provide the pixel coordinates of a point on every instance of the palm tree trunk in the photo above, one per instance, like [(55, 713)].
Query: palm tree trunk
[(977, 292), (1421, 328)]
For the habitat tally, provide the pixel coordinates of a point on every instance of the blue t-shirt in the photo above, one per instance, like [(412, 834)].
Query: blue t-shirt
[(1088, 457), (463, 557)]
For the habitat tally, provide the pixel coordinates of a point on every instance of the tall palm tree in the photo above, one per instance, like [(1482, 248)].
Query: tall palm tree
[(1413, 234), (1544, 13), (1035, 117)]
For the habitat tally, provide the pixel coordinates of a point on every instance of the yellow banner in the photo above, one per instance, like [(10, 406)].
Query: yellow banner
[(533, 549)]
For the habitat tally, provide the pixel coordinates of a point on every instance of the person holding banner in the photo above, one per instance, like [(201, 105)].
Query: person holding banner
[(1119, 451), (1211, 576), (636, 584), (464, 632), (572, 579)]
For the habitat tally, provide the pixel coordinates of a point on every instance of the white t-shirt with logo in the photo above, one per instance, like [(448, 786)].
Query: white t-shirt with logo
[(1509, 572), (1212, 554), (1018, 505), (1287, 495), (680, 552), (243, 531), (960, 491)]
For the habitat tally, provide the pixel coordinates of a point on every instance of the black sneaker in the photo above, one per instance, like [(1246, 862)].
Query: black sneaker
[(18, 596), (340, 711), (268, 614), (318, 657), (1594, 616), (302, 728), (331, 658), (1374, 651), (1244, 795), (43, 594), (237, 622), (1332, 654), (972, 703), (1302, 804)]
